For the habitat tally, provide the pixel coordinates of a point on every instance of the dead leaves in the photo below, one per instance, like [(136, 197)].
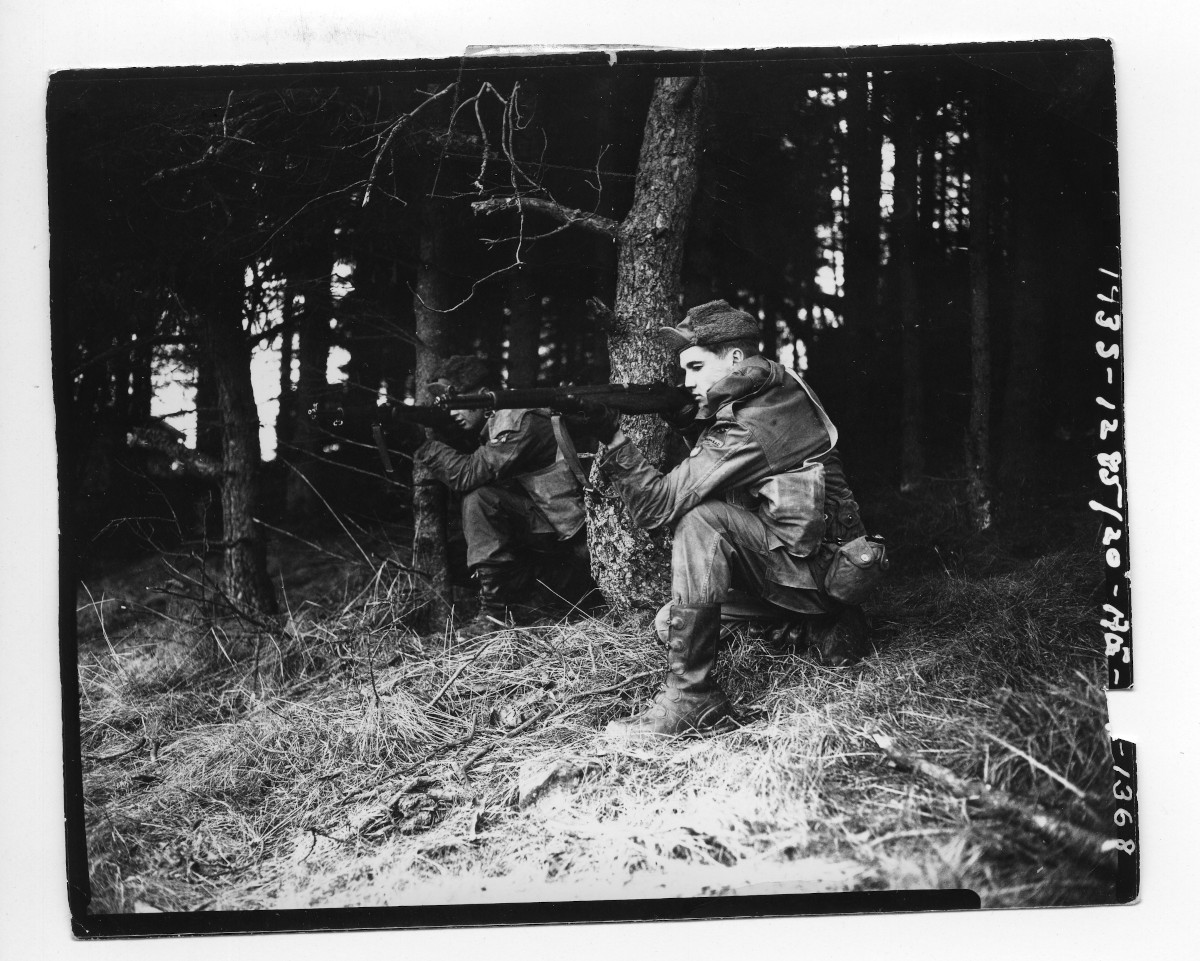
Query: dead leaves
[(418, 806)]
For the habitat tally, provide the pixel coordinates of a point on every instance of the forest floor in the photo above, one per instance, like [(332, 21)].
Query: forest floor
[(338, 759)]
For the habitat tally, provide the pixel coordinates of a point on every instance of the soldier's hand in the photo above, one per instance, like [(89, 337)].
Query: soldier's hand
[(598, 420), (681, 418)]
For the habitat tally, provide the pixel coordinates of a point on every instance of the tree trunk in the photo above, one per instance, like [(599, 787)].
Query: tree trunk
[(141, 390), (314, 269), (245, 579), (208, 408), (1022, 416), (430, 497), (524, 329), (904, 253), (285, 419), (632, 566), (864, 162), (979, 494)]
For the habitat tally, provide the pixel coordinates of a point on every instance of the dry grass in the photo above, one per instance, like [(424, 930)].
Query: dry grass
[(342, 760)]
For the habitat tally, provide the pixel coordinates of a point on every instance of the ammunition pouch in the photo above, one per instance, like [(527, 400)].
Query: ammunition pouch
[(857, 569), (555, 493), (843, 522)]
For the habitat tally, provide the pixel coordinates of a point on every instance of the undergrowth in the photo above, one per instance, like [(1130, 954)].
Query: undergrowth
[(340, 759)]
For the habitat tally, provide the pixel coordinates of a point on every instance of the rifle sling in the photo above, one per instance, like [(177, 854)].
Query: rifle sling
[(380, 443), (566, 447)]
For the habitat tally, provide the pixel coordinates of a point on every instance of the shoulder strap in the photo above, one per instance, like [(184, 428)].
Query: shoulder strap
[(825, 421), (566, 449)]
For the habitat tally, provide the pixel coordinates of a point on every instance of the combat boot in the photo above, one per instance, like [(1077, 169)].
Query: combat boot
[(691, 702), (841, 639), (836, 640), (503, 602)]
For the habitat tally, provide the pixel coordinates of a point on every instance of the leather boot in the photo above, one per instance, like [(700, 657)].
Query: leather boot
[(836, 640), (503, 593), (691, 702), (842, 639)]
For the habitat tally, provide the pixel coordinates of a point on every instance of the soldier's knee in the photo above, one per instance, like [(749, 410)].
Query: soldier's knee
[(482, 500), (704, 516), (701, 524)]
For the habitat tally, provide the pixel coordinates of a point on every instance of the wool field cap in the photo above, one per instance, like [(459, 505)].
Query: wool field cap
[(466, 372), (706, 325)]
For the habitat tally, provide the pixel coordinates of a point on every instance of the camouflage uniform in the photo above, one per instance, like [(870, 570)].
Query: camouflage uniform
[(520, 503)]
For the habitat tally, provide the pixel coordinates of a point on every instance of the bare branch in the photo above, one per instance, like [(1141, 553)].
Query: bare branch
[(215, 148), (1080, 841), (600, 314), (119, 349), (597, 224), (392, 131)]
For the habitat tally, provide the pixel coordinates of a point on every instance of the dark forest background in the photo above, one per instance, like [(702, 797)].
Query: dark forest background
[(918, 231)]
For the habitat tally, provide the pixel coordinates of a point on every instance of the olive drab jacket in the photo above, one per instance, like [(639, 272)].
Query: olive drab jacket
[(517, 447), (768, 447)]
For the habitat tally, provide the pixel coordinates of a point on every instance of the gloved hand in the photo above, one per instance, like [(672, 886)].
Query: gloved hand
[(681, 418), (596, 419)]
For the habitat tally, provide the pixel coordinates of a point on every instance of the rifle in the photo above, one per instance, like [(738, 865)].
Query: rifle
[(623, 398), (335, 417), (571, 400), (346, 423), (438, 418)]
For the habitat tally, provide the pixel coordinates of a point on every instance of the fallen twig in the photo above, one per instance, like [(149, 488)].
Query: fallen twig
[(454, 677), (1080, 842), (101, 758), (1034, 762)]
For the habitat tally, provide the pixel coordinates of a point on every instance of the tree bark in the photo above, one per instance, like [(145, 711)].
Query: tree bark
[(245, 577), (208, 408), (978, 455), (632, 566), (285, 419), (904, 220), (429, 497)]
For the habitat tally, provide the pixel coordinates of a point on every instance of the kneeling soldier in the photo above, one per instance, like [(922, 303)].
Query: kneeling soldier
[(521, 505), (761, 504)]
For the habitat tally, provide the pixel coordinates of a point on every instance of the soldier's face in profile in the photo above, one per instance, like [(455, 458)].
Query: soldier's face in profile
[(471, 420), (702, 368)]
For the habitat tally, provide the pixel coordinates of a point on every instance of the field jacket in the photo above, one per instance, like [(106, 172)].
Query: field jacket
[(517, 447), (766, 449)]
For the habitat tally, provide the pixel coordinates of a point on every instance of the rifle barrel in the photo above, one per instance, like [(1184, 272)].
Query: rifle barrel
[(626, 398)]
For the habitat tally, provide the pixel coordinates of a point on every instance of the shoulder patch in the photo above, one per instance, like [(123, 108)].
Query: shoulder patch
[(714, 437)]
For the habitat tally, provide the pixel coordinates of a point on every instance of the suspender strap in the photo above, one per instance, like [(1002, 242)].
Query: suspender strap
[(566, 447), (825, 421)]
